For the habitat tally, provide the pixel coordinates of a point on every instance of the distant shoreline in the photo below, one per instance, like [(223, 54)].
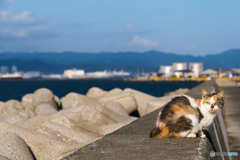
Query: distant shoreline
[(50, 79), (94, 79)]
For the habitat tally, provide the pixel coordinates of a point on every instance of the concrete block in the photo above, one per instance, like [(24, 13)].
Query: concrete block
[(3, 158), (12, 107), (67, 134), (57, 100), (44, 96), (95, 92), (141, 99), (102, 130), (45, 109), (158, 103), (13, 119), (27, 114), (27, 102), (93, 114), (1, 106), (76, 100), (117, 108), (89, 118), (70, 113), (43, 146), (115, 91), (14, 147), (125, 99), (34, 123), (76, 125)]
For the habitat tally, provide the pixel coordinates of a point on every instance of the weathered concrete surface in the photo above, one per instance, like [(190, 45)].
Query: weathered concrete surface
[(14, 147), (223, 83), (231, 114), (133, 142)]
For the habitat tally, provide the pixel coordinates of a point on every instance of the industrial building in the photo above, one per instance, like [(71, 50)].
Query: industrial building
[(179, 66), (196, 68), (73, 73), (166, 71), (180, 69)]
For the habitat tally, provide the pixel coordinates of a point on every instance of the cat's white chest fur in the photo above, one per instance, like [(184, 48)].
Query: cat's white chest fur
[(206, 121), (208, 117)]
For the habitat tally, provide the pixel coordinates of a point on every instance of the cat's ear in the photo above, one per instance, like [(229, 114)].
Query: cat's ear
[(204, 93), (221, 94)]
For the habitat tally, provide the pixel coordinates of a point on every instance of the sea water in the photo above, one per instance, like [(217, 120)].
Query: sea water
[(17, 89)]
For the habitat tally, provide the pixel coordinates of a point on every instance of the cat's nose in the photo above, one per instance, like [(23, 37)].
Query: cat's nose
[(212, 106)]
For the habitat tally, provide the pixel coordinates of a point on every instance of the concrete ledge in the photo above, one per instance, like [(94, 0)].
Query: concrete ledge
[(133, 142), (223, 83)]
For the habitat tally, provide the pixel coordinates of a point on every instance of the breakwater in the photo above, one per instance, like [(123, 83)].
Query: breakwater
[(98, 125), (231, 113), (42, 126), (133, 142)]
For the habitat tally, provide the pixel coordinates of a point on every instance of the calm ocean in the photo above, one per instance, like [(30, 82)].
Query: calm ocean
[(17, 89)]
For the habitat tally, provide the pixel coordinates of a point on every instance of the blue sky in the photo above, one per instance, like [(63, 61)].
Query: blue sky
[(184, 27)]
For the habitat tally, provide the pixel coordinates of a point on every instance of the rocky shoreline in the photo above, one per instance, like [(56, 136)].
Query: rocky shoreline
[(42, 126)]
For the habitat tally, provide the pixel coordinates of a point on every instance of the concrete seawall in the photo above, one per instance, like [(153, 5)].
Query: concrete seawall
[(133, 142), (231, 113)]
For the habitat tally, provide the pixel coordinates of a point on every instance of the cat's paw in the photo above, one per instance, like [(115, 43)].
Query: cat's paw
[(191, 136), (203, 135)]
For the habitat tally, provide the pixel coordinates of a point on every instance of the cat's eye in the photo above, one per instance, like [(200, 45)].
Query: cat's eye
[(208, 103)]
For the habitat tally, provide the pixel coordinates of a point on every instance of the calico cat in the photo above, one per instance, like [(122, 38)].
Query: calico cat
[(184, 116)]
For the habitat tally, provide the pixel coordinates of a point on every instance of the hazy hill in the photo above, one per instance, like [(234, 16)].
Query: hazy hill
[(130, 61)]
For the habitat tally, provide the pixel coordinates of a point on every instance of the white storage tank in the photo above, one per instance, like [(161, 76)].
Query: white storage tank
[(196, 68), (166, 70), (179, 66), (74, 73)]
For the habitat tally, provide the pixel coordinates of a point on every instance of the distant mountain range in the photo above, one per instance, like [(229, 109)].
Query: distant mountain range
[(52, 62)]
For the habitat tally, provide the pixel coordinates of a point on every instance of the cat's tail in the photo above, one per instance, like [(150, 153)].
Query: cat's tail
[(157, 132)]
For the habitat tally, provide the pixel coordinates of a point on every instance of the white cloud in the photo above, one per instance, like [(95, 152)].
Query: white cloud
[(128, 27), (26, 32), (138, 41), (22, 25), (8, 17), (14, 33)]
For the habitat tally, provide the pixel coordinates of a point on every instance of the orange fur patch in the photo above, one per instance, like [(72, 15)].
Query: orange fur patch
[(183, 110), (198, 101), (164, 133), (176, 135)]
